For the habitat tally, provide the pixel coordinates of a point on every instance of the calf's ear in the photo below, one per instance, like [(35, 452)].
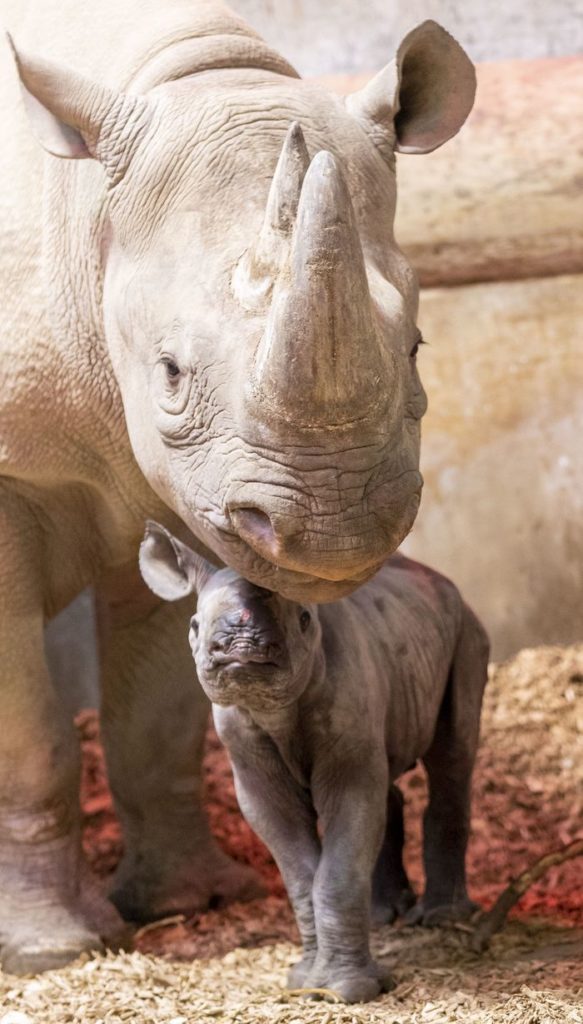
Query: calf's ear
[(75, 118), (170, 568), (422, 98)]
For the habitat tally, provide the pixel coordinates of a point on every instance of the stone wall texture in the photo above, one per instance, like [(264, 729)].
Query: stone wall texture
[(322, 36)]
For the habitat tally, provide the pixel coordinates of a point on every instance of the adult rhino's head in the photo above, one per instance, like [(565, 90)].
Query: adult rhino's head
[(260, 318)]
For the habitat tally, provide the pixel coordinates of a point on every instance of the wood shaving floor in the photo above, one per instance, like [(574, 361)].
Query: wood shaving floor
[(229, 965)]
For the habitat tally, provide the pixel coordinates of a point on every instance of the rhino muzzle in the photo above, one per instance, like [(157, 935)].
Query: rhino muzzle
[(323, 379), (332, 548)]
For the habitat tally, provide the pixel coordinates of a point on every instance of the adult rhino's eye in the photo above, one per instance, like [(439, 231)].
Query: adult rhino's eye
[(172, 385), (305, 619), (172, 369)]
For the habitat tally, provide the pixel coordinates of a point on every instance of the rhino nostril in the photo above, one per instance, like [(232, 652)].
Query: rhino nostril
[(255, 527)]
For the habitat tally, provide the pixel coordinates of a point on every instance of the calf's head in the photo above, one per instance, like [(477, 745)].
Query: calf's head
[(260, 318), (251, 647)]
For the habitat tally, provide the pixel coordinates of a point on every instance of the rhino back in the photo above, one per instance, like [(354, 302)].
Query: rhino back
[(108, 40), (389, 649), (102, 39), (60, 200), (20, 205)]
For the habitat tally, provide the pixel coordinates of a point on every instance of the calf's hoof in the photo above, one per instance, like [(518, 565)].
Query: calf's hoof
[(352, 984), (362, 989), (299, 972), (387, 911), (434, 916), (190, 891)]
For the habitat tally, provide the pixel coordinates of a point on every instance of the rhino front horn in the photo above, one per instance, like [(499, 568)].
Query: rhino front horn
[(258, 270), (320, 353)]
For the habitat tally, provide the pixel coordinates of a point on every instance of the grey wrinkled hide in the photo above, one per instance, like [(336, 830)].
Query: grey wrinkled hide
[(72, 654), (205, 319), (321, 711)]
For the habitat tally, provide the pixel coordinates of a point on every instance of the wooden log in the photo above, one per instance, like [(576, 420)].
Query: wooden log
[(504, 199)]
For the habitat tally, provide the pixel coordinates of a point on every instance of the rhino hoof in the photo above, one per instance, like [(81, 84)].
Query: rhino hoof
[(31, 955), (362, 989), (140, 902), (387, 912), (353, 985), (442, 914), (299, 972)]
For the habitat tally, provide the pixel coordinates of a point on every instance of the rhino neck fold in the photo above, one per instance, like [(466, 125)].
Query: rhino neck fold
[(185, 57)]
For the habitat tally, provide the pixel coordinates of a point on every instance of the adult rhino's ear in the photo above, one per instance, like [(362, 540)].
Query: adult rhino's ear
[(75, 118), (422, 98), (170, 568)]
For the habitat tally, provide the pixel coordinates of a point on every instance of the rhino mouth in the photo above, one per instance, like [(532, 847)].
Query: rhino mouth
[(292, 584), (241, 659)]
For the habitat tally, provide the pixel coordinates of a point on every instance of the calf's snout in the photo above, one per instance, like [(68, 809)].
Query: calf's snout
[(238, 637)]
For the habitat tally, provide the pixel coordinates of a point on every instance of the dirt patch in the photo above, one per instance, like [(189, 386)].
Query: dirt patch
[(229, 965)]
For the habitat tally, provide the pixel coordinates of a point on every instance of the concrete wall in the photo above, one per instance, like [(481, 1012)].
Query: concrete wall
[(324, 36)]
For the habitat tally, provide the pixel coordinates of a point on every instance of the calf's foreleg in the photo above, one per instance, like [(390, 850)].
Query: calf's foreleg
[(351, 805), (280, 811)]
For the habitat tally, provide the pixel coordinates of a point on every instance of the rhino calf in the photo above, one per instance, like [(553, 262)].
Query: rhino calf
[(321, 709)]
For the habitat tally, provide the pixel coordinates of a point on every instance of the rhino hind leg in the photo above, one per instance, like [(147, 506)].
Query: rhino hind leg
[(392, 895), (154, 720), (449, 763)]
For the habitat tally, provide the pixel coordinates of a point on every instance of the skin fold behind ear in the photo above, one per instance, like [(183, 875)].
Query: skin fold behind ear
[(170, 568), (422, 98)]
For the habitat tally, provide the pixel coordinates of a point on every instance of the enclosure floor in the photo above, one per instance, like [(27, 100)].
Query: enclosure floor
[(230, 965)]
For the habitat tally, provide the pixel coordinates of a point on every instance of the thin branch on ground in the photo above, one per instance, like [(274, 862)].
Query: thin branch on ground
[(491, 921)]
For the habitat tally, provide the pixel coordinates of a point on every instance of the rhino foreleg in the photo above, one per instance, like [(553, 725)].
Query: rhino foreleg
[(280, 811), (49, 910), (449, 763), (154, 719), (351, 804), (392, 896)]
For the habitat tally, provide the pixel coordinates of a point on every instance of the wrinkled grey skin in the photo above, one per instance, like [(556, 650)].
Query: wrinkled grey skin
[(321, 711), (156, 306)]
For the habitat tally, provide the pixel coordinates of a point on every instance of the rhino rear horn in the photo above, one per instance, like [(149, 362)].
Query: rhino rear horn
[(255, 275), (75, 118)]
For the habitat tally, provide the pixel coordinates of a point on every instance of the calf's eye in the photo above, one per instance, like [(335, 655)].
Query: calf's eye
[(305, 619)]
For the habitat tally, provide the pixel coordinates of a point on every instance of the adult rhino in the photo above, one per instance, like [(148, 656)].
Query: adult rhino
[(217, 331)]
